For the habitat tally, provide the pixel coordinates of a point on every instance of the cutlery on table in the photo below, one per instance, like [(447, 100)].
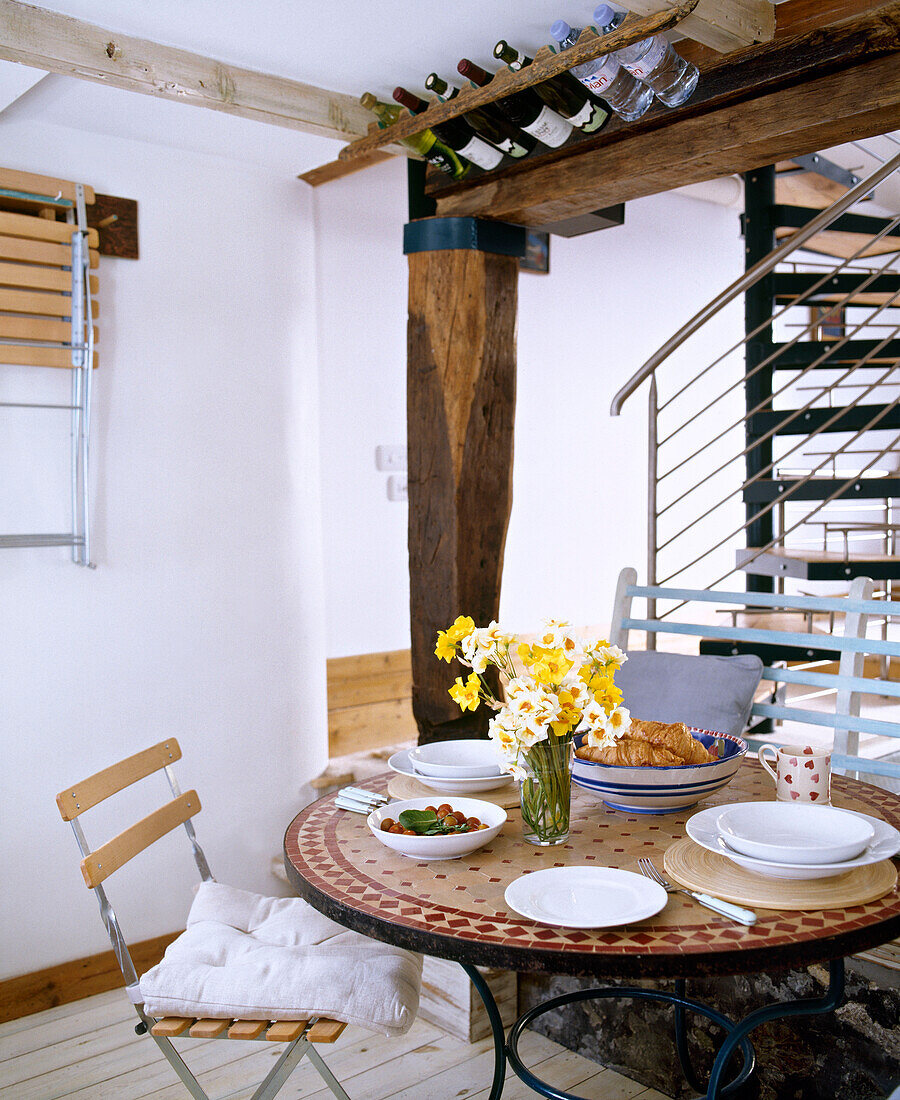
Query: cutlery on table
[(359, 801), (726, 908)]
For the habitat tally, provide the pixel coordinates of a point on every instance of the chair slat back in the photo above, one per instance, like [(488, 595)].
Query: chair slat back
[(850, 647), (100, 864), (115, 778)]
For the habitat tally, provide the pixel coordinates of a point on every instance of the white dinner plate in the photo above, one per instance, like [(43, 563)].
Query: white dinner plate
[(585, 897), (401, 764), (702, 829)]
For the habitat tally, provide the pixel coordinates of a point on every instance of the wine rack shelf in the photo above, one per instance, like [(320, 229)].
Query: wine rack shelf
[(546, 64)]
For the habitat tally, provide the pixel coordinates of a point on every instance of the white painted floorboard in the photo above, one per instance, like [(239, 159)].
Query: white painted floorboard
[(88, 1051)]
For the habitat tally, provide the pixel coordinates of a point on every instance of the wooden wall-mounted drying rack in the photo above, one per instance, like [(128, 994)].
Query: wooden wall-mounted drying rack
[(546, 64), (47, 313)]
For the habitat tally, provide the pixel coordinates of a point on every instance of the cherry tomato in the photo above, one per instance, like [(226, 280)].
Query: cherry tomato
[(386, 824)]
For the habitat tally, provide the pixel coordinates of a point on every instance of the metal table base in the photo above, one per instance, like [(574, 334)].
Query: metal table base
[(736, 1038)]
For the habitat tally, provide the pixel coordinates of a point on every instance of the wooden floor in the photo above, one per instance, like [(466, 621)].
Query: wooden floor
[(88, 1051)]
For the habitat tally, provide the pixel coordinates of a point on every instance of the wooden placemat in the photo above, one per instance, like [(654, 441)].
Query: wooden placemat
[(404, 786), (698, 869)]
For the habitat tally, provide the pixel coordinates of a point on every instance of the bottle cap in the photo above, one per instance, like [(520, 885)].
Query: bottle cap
[(603, 14), (560, 30), (410, 101), (367, 100), (474, 72)]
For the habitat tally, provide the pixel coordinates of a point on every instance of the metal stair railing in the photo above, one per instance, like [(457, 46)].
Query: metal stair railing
[(874, 372)]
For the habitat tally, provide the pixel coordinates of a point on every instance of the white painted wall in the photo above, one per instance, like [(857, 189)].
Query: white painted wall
[(204, 618), (251, 361), (579, 484)]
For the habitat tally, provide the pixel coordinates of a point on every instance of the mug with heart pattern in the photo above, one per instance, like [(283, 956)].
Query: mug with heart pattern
[(801, 773)]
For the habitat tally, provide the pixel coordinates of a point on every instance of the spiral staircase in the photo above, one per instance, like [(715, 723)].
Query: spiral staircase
[(780, 458)]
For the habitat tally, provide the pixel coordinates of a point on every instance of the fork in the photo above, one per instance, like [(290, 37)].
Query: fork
[(743, 916)]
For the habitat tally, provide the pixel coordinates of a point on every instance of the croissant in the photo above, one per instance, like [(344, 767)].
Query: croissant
[(673, 736), (633, 754)]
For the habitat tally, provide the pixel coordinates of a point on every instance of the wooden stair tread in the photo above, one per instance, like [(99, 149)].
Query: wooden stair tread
[(823, 555), (842, 245)]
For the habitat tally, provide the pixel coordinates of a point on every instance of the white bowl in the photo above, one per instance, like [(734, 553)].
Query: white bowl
[(401, 764), (466, 759), (451, 846), (792, 832), (702, 829), (661, 790)]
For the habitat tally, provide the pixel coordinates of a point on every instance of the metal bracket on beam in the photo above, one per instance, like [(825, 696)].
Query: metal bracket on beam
[(474, 234), (815, 162)]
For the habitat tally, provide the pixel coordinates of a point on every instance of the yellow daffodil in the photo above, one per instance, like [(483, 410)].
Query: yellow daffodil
[(468, 694), (462, 628), (445, 650)]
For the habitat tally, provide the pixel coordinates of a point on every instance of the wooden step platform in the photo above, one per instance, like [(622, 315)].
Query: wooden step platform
[(818, 565)]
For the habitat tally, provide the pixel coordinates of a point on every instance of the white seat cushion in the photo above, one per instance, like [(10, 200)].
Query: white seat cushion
[(246, 956)]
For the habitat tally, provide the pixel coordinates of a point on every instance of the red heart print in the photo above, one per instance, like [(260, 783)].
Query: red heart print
[(788, 779), (795, 794), (793, 761), (813, 795), (815, 778), (809, 764), (808, 751)]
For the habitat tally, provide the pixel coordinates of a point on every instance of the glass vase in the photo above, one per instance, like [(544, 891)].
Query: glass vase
[(546, 791)]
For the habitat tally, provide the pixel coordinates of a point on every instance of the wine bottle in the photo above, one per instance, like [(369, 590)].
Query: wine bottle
[(564, 93), (524, 108), (486, 121), (627, 96), (454, 132), (425, 143)]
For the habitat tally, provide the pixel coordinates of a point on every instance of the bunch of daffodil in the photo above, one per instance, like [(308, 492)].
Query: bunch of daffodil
[(553, 686)]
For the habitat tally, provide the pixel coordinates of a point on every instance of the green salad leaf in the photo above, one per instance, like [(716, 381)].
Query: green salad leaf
[(426, 823)]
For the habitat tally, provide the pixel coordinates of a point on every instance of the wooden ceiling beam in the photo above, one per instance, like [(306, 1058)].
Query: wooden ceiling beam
[(58, 43), (723, 25), (768, 103)]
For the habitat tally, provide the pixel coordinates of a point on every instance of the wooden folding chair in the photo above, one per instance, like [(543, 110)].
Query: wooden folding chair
[(99, 864)]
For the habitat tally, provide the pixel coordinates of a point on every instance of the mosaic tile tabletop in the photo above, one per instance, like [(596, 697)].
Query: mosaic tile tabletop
[(456, 908)]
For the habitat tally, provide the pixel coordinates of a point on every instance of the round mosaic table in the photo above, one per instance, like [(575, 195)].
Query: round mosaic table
[(455, 909)]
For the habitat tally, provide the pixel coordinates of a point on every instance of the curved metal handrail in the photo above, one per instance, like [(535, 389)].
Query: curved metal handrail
[(751, 277)]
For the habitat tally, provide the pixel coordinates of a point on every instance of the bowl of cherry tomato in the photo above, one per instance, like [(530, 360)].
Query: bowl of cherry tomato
[(426, 829)]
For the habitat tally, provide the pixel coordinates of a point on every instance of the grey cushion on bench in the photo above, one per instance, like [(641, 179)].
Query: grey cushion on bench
[(712, 693)]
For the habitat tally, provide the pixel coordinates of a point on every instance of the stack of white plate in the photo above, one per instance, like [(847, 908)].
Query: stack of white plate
[(457, 767), (793, 840)]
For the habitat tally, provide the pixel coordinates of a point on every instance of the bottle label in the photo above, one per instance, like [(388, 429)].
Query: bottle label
[(602, 76), (512, 148), (590, 118), (443, 157), (645, 65), (482, 154), (550, 128)]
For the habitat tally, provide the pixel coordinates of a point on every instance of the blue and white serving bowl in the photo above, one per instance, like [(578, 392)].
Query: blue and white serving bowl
[(661, 790)]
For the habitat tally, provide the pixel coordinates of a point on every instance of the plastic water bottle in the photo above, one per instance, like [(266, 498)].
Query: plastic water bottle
[(605, 77), (653, 61)]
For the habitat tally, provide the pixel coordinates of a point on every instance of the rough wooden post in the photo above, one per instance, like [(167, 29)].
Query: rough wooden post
[(460, 407)]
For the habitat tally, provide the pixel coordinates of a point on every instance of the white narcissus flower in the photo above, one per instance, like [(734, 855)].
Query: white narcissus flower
[(619, 722)]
